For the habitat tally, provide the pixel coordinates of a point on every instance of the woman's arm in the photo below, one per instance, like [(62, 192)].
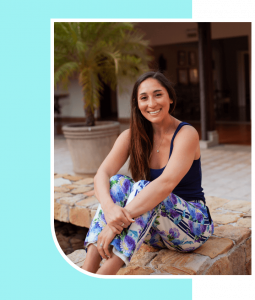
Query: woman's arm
[(115, 215), (185, 146)]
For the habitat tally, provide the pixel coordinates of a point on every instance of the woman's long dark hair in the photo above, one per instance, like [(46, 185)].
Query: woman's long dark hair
[(141, 129)]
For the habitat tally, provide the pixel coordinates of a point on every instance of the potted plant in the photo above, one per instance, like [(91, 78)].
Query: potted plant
[(97, 53)]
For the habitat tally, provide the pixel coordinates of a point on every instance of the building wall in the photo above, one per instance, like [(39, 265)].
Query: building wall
[(71, 106), (168, 38), (176, 32), (124, 92), (224, 54), (230, 77), (159, 34), (170, 54)]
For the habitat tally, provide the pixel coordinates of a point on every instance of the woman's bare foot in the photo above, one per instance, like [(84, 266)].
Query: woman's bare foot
[(92, 260), (111, 266)]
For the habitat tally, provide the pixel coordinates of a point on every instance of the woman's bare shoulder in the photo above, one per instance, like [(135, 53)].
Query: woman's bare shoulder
[(188, 129), (126, 132), (186, 135), (125, 135), (123, 141)]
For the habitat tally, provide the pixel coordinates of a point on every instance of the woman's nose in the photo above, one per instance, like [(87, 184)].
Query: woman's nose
[(152, 102)]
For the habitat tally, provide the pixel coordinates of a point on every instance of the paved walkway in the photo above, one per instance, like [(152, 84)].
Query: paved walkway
[(226, 169)]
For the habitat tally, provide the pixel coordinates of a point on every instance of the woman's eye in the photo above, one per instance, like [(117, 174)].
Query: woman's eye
[(158, 95), (143, 98)]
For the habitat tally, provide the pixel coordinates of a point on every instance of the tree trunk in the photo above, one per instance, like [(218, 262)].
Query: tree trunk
[(90, 119)]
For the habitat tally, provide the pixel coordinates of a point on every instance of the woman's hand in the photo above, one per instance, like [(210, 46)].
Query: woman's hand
[(104, 239), (117, 218)]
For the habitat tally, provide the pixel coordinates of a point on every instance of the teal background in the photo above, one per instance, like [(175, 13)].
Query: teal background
[(31, 266)]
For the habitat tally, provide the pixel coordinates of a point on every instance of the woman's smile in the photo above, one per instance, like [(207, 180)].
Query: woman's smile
[(155, 112), (153, 100)]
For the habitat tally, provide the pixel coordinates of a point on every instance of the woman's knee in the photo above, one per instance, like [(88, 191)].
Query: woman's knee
[(120, 188), (124, 182), (115, 178)]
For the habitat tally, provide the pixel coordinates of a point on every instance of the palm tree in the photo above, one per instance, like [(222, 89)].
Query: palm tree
[(97, 53)]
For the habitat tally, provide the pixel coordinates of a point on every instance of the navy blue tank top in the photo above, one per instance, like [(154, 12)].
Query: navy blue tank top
[(189, 188)]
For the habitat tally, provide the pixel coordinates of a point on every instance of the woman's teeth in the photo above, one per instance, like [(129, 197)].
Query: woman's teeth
[(154, 112)]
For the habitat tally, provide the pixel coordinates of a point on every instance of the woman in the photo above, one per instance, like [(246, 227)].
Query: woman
[(163, 205)]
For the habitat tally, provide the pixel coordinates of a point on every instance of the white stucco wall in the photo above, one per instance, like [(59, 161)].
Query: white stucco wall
[(72, 106), (124, 92)]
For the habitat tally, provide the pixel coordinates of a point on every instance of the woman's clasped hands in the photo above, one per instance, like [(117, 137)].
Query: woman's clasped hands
[(104, 239), (117, 218)]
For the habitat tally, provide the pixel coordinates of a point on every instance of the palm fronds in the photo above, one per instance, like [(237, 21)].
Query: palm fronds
[(98, 52)]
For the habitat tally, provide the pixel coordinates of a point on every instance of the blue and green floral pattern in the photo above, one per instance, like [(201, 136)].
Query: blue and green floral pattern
[(173, 223)]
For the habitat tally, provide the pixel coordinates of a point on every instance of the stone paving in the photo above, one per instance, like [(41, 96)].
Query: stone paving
[(226, 169)]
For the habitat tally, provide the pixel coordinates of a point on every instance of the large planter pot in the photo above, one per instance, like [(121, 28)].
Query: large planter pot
[(89, 146)]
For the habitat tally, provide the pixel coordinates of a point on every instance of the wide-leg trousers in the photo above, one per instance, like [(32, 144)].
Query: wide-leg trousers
[(174, 223)]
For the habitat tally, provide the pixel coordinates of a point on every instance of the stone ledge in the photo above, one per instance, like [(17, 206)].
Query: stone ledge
[(74, 198), (236, 261), (227, 252)]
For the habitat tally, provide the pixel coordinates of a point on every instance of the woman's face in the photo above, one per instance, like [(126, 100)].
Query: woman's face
[(153, 100)]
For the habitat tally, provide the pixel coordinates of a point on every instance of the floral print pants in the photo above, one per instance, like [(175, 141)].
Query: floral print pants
[(174, 223)]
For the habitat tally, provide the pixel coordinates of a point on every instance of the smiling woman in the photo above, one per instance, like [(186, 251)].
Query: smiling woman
[(153, 101), (163, 205), (153, 98)]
